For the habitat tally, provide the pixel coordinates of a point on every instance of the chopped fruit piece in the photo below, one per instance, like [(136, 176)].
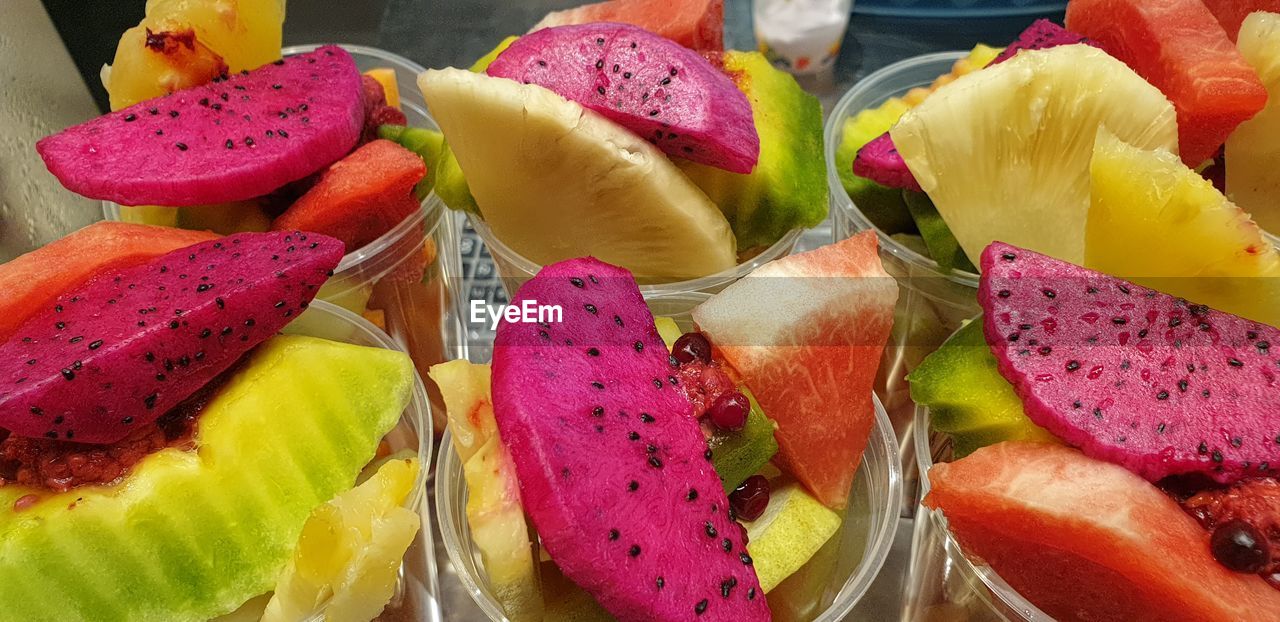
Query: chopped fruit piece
[(1042, 34), (1247, 511), (692, 347), (1253, 179), (967, 397), (494, 513), (942, 244), (386, 77), (563, 151), (1178, 46), (805, 334), (1087, 540), (428, 144), (30, 282), (791, 530), (200, 532), (360, 197), (377, 317), (1232, 13), (750, 498), (184, 43), (729, 411), (695, 24), (999, 151), (349, 554), (1194, 242)]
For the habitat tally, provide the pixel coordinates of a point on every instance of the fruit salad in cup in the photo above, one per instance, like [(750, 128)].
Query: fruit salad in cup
[(156, 425), (676, 469), (1105, 449), (621, 132), (253, 138)]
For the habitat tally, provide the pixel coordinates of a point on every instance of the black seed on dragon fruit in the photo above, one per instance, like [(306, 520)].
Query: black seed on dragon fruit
[(645, 476), (70, 380)]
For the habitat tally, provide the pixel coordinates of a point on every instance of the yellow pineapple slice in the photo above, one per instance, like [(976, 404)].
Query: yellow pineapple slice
[(1253, 150), (494, 512), (184, 43), (1157, 222), (349, 554)]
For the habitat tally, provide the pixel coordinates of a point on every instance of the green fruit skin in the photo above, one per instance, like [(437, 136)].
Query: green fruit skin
[(190, 535), (451, 185), (739, 455), (428, 144), (882, 205), (967, 397), (942, 244), (788, 187)]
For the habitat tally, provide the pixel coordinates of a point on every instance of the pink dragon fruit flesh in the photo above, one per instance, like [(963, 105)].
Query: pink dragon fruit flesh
[(1042, 34), (236, 138), (1154, 383), (614, 471), (125, 347), (879, 160), (653, 86)]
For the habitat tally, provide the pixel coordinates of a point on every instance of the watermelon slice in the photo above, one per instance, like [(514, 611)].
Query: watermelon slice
[(805, 334), (695, 24), (32, 281), (1231, 13), (1087, 540), (1180, 47)]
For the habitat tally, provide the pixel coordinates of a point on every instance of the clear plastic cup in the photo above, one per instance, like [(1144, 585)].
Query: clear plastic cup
[(825, 590), (403, 281), (417, 593), (931, 303), (942, 583), (514, 269)]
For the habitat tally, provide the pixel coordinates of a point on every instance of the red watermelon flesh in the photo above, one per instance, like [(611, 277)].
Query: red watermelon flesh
[(1087, 540), (1179, 47), (805, 334), (695, 24), (31, 282), (1231, 13)]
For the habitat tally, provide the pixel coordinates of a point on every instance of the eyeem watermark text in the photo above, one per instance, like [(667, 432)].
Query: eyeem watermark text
[(527, 312)]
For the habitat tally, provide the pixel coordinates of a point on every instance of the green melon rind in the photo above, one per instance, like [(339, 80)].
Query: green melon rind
[(192, 535)]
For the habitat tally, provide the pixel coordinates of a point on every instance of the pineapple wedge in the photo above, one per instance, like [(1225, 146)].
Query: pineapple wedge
[(494, 512), (1159, 223), (348, 557), (1253, 150), (1004, 152)]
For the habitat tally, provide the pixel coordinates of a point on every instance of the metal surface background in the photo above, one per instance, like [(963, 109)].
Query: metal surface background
[(41, 91)]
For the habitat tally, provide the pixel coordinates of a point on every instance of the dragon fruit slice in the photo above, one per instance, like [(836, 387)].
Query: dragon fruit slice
[(879, 160), (653, 86), (124, 348), (1042, 34), (1154, 383), (614, 470), (233, 139)]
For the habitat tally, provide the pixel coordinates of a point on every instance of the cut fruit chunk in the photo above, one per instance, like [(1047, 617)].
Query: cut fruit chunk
[(428, 144), (695, 24), (1232, 13), (32, 281), (1194, 242), (791, 530), (349, 554), (1000, 151), (1087, 540), (1253, 178), (519, 142), (942, 244), (494, 513), (967, 397), (386, 77), (805, 333), (1178, 46), (200, 532)]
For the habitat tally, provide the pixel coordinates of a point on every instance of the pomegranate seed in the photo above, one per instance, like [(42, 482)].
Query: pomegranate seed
[(729, 412), (750, 498), (690, 347), (1238, 546)]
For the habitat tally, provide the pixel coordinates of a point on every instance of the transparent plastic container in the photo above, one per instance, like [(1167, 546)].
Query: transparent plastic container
[(514, 269), (405, 280), (824, 590), (417, 594), (931, 303)]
